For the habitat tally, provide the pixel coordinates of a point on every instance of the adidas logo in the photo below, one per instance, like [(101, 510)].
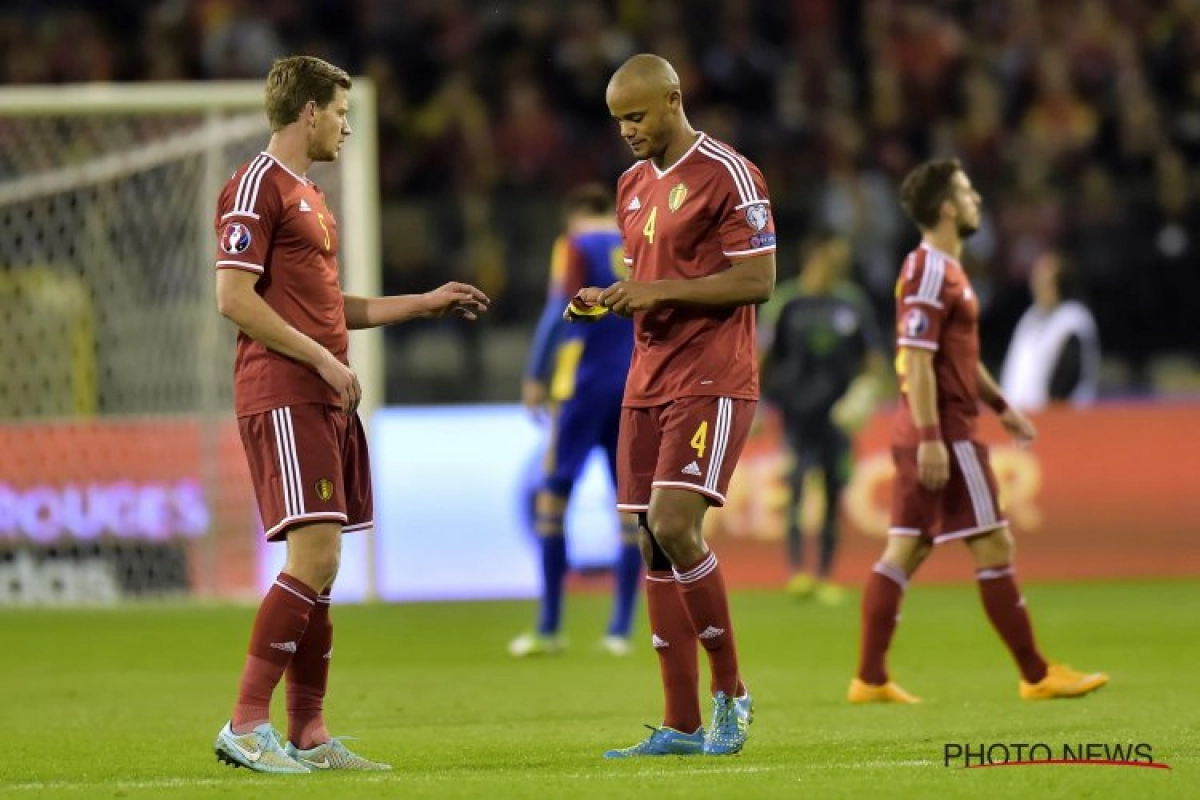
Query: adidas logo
[(692, 469), (329, 655), (712, 632), (304, 206), (634, 204), (659, 643), (287, 647)]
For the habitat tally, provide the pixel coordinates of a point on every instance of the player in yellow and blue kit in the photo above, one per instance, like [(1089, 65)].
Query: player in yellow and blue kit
[(576, 376)]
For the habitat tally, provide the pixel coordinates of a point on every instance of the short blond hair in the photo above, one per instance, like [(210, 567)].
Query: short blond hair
[(295, 80)]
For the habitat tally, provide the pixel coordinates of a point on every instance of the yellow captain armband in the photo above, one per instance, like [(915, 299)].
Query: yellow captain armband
[(578, 311)]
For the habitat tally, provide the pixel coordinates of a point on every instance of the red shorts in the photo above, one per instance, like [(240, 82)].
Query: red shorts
[(308, 463), (692, 443), (964, 507)]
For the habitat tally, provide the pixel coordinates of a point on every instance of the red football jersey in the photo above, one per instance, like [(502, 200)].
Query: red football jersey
[(275, 223), (691, 220), (937, 310)]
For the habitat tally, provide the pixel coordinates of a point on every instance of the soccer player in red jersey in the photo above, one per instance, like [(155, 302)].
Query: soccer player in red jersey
[(698, 235), (944, 489), (296, 397)]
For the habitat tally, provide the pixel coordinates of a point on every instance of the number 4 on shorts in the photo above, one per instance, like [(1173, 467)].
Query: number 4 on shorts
[(700, 439)]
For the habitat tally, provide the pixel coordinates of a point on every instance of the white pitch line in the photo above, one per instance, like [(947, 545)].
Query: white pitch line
[(157, 783), (599, 774)]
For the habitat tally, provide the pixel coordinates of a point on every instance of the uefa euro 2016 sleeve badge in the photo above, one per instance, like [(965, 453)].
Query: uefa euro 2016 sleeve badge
[(235, 238)]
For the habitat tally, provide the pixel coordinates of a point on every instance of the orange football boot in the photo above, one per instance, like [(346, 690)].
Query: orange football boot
[(862, 692), (1062, 681)]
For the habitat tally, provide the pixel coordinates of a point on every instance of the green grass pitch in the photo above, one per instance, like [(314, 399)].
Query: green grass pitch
[(125, 703)]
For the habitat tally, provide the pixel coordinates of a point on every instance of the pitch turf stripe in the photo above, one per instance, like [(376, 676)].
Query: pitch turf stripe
[(720, 440)]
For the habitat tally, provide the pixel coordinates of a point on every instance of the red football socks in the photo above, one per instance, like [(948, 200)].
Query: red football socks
[(278, 628), (702, 590), (1006, 609), (880, 613), (674, 642), (307, 678)]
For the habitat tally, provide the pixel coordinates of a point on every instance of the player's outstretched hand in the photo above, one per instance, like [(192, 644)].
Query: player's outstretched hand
[(343, 380), (585, 306), (1019, 426), (628, 297), (462, 299)]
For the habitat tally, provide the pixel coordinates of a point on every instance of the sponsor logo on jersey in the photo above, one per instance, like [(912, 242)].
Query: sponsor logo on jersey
[(915, 323), (235, 238), (324, 488), (758, 215), (677, 196), (760, 240)]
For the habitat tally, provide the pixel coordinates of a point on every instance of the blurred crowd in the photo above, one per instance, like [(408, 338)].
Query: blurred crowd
[(1079, 120)]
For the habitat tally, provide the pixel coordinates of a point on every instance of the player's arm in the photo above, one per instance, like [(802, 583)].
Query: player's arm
[(748, 280), (243, 306), (535, 383), (1015, 422), (933, 461), (566, 277), (462, 299)]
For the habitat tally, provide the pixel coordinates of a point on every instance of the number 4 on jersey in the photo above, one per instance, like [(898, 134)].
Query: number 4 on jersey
[(648, 228)]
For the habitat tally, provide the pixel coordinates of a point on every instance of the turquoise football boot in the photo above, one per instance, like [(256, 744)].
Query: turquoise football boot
[(663, 742), (730, 724)]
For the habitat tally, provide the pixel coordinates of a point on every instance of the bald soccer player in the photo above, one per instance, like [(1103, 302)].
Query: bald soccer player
[(699, 240)]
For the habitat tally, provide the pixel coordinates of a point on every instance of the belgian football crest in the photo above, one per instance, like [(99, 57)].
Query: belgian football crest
[(676, 197), (325, 489)]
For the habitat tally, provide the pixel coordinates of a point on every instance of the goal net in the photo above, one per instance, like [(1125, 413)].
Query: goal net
[(121, 473)]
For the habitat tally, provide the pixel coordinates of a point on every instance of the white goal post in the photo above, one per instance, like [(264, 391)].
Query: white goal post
[(108, 316), (218, 101)]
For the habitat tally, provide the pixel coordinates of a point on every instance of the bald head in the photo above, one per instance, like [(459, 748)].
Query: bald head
[(643, 96), (647, 70)]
